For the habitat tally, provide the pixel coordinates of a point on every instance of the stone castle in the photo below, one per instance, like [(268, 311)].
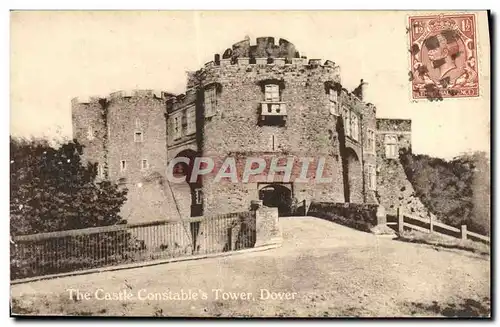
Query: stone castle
[(256, 100)]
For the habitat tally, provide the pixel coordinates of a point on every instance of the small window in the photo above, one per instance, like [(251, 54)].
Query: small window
[(391, 146), (370, 140), (272, 93), (210, 101), (138, 137), (100, 170), (123, 166), (273, 142), (354, 126), (347, 121), (372, 177), (191, 121), (198, 196), (90, 133), (177, 127), (137, 123), (333, 100), (144, 164)]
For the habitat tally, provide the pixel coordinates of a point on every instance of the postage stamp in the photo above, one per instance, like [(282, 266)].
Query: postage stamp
[(443, 56)]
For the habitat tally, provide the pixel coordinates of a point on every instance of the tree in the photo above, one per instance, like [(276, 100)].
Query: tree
[(51, 190), (456, 191)]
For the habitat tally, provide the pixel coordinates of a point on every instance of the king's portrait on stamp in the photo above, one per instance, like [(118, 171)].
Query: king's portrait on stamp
[(443, 56)]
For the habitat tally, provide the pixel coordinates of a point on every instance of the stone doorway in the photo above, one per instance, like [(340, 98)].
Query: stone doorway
[(277, 195), (188, 193), (353, 177)]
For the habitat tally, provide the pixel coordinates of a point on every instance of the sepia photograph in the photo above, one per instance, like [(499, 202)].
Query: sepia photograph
[(250, 164)]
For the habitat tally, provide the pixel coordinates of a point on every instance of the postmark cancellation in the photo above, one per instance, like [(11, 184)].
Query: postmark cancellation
[(443, 56)]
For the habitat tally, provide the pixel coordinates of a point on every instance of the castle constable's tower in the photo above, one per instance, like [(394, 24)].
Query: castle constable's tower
[(262, 100), (266, 100)]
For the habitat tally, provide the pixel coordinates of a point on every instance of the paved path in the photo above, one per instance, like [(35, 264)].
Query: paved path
[(322, 269)]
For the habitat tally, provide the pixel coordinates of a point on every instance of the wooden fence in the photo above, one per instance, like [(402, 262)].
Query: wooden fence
[(430, 225)]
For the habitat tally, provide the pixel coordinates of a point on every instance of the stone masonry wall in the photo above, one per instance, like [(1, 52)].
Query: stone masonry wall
[(115, 119), (234, 129), (393, 187), (89, 113)]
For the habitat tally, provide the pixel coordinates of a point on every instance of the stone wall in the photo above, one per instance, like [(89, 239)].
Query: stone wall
[(359, 216), (234, 130), (88, 112), (393, 187), (268, 229), (115, 119), (224, 233)]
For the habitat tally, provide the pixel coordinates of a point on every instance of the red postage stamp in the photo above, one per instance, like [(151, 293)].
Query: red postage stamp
[(443, 56)]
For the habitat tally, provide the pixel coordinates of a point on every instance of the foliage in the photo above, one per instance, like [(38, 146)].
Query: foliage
[(456, 191), (360, 216), (51, 190)]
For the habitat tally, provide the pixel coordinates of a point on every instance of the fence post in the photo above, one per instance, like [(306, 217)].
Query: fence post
[(400, 221), (431, 223), (463, 230)]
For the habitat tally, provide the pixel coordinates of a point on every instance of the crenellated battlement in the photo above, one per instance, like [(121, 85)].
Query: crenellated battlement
[(124, 94), (181, 100), (264, 47), (272, 62), (243, 68)]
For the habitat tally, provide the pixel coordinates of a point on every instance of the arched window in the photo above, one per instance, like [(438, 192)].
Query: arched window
[(354, 126)]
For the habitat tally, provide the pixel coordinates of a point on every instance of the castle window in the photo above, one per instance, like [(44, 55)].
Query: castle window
[(210, 101), (138, 137), (177, 127), (391, 146), (100, 170), (272, 92), (137, 123), (272, 110), (372, 177), (90, 133), (370, 140), (273, 142), (198, 196), (354, 126), (347, 121), (144, 164), (123, 166), (333, 100), (191, 120)]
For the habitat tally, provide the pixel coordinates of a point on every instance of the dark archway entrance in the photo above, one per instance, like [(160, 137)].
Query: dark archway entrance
[(187, 194), (190, 192), (277, 195), (352, 177)]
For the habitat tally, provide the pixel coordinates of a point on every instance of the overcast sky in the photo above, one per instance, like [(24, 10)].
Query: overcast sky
[(56, 56)]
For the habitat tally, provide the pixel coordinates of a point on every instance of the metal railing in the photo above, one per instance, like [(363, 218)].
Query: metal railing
[(83, 249)]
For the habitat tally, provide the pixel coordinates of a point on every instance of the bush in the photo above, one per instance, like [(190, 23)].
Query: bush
[(456, 191), (51, 190), (359, 216)]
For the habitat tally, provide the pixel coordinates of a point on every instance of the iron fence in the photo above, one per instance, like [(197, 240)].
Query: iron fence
[(83, 249)]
